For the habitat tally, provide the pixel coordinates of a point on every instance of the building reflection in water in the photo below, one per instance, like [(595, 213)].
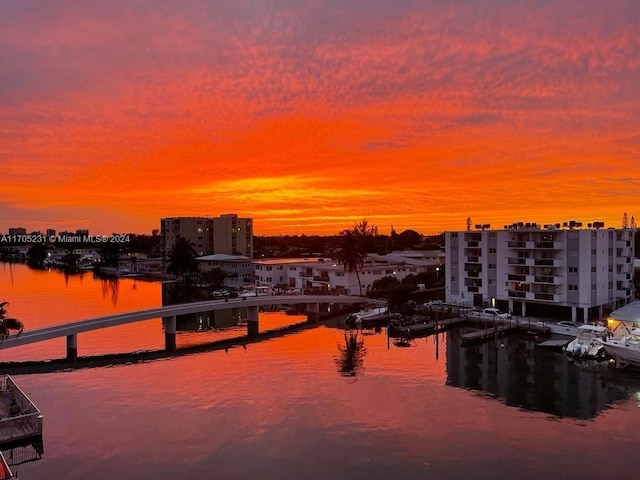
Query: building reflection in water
[(174, 293), (535, 379)]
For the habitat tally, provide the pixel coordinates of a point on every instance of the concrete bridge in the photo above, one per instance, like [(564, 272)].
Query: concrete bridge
[(168, 313)]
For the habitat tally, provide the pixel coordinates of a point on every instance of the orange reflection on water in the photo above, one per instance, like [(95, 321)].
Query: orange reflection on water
[(41, 298)]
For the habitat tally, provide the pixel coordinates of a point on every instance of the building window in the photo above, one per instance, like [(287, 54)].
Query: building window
[(573, 269), (492, 250), (593, 269), (454, 235), (492, 266), (573, 288)]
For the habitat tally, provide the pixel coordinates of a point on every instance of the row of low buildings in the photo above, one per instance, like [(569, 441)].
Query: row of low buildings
[(321, 274), (532, 269)]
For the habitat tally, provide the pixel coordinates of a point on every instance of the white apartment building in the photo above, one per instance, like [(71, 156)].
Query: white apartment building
[(330, 276), (226, 234), (530, 269), (238, 267)]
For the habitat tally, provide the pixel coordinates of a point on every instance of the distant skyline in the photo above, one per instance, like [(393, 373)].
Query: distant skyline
[(311, 116)]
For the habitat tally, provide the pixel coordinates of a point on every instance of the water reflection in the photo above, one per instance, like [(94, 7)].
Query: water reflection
[(522, 375), (350, 360), (110, 288)]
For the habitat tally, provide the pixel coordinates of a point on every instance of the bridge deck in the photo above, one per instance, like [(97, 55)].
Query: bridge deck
[(73, 328)]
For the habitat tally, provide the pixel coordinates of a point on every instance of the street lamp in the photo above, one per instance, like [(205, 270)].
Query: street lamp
[(437, 274)]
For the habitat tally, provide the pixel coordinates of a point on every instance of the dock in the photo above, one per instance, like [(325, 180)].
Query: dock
[(423, 328), (485, 333), (555, 343)]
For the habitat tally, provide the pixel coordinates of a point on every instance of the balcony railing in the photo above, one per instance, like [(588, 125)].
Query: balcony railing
[(517, 294), (517, 278), (543, 279), (516, 244), (550, 297), (517, 261)]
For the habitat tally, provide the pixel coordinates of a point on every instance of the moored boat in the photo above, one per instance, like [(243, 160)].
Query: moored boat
[(367, 317), (587, 343), (625, 349), (564, 327)]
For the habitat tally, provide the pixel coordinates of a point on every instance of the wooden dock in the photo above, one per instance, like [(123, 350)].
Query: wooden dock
[(423, 328), (486, 333)]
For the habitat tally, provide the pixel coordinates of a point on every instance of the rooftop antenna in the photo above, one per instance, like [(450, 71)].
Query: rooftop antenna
[(468, 224)]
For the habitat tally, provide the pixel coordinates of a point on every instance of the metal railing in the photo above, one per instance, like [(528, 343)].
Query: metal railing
[(24, 420)]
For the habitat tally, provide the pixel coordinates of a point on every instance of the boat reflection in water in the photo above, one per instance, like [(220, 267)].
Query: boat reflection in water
[(536, 379)]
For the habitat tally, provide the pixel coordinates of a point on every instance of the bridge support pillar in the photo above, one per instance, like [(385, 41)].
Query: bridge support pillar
[(170, 334), (253, 327), (72, 347), (313, 312)]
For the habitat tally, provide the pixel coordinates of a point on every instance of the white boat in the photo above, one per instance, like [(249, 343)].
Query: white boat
[(256, 292), (626, 349), (564, 327), (365, 316), (587, 342)]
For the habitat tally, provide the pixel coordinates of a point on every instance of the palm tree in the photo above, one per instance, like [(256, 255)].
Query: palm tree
[(352, 255), (182, 257), (354, 247)]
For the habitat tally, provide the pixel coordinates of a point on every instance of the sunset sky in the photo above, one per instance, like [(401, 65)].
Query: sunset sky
[(309, 116)]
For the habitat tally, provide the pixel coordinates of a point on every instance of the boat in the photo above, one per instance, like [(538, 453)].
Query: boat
[(587, 343), (367, 317), (260, 291), (564, 327), (625, 349)]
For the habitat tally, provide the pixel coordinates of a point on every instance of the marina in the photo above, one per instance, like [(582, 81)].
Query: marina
[(451, 391)]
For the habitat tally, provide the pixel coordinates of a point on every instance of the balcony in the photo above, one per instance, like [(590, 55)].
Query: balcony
[(547, 297), (516, 261), (473, 289), (517, 244), (516, 278), (547, 245), (468, 267), (544, 279), (516, 294), (473, 259), (547, 262), (473, 243), (473, 274)]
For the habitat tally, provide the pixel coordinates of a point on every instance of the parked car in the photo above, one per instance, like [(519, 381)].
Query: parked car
[(495, 313)]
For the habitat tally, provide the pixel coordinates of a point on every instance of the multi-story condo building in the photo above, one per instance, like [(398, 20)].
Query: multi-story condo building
[(225, 234), (530, 269)]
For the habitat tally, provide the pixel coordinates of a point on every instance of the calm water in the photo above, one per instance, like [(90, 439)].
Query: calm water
[(314, 404)]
